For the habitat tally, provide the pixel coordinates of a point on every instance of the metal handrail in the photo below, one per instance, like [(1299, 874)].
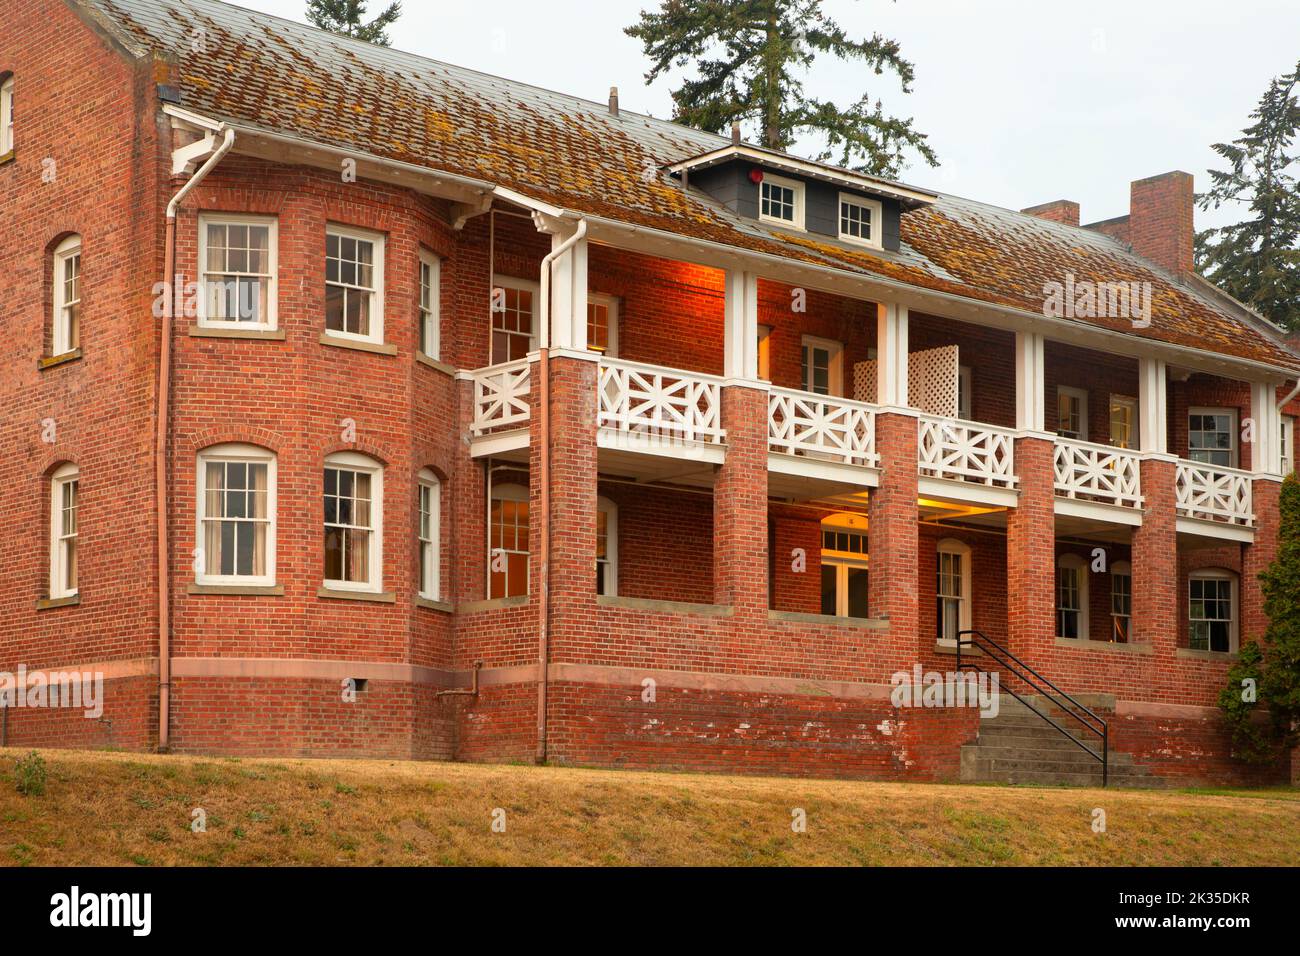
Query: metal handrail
[(973, 638)]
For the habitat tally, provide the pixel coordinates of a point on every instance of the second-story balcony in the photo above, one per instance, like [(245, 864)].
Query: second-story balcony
[(1215, 501), (1097, 481)]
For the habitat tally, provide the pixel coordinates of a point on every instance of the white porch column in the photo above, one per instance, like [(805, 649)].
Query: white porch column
[(891, 355), (1153, 415), (569, 294), (1031, 388), (740, 326), (1266, 451)]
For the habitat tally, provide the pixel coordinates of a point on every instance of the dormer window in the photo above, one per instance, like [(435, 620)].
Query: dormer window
[(860, 220), (780, 200)]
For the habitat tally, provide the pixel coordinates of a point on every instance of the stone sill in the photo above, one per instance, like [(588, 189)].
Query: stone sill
[(7, 157), (48, 604), (433, 363), (1131, 648), (434, 605), (802, 617), (233, 332), (339, 342), (53, 361), (1220, 657), (494, 604), (374, 597), (664, 607), (241, 590)]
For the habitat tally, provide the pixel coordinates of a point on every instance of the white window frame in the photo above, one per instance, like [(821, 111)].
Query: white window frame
[(354, 461), (7, 116), (959, 549), (271, 320), (611, 304), (965, 394), (519, 285), (1123, 401), (798, 189), (610, 510), (1080, 566), (1081, 396), (834, 365), (60, 587), (510, 492), (1121, 569), (65, 336), (1234, 623), (429, 537), (376, 292), (1233, 425), (429, 305), (875, 239), (250, 454), (765, 352), (844, 561), (1288, 444)]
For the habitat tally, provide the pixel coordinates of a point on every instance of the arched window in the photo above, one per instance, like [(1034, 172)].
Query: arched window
[(1121, 602), (1071, 597), (354, 495), (845, 562), (953, 590), (64, 501), (606, 547), (508, 552), (1212, 610), (235, 486), (430, 535), (66, 278)]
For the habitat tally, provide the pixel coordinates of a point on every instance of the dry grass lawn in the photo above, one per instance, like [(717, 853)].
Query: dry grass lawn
[(124, 809)]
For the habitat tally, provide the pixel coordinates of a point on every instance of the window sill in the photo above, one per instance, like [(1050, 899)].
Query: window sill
[(492, 604), (1135, 647), (1222, 657), (220, 332), (433, 363), (50, 361), (664, 607), (47, 604), (373, 597), (338, 342), (803, 617), (434, 605), (7, 157), (242, 590)]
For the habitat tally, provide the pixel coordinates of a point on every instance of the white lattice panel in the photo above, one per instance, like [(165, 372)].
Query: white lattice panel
[(931, 381)]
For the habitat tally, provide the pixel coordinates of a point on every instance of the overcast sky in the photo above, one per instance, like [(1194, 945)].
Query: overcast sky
[(1025, 101)]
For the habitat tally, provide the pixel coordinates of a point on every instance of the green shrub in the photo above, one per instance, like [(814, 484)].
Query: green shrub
[(29, 775)]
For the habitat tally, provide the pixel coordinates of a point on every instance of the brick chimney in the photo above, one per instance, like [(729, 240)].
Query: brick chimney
[(1160, 220), (1059, 210)]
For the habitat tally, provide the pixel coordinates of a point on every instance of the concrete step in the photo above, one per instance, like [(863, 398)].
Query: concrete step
[(1070, 754), (1026, 737)]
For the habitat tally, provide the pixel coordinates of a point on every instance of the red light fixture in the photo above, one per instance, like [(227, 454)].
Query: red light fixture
[(755, 175)]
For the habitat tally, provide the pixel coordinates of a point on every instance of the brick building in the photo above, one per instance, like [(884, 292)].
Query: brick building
[(547, 430)]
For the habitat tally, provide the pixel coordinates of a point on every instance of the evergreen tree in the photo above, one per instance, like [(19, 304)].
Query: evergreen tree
[(344, 17), (1274, 665), (1258, 260), (749, 55)]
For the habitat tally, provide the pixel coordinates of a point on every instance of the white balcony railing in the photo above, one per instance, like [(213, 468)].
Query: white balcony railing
[(501, 397), (653, 402), (817, 426), (966, 451), (1214, 493), (1088, 472)]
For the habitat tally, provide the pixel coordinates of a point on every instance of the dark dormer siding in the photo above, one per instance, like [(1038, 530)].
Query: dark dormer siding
[(729, 184)]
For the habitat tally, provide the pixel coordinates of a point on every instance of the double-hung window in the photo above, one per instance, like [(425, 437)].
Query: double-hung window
[(953, 605), (235, 487), (1288, 444), (1071, 597), (7, 116), (602, 324), (66, 329), (429, 536), (822, 366), (354, 284), (513, 308), (1072, 413), (353, 522), (1212, 436), (1121, 602), (64, 501), (430, 320), (606, 547), (860, 220), (237, 270), (1212, 616), (508, 552), (780, 200), (1123, 421)]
